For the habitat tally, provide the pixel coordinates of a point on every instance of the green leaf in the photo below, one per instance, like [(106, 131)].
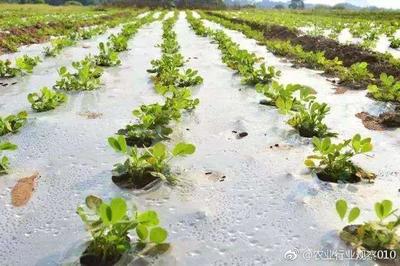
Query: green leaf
[(142, 232), (118, 208), (159, 150), (387, 208), (148, 218), (379, 210), (341, 208), (105, 213), (118, 143), (182, 149), (309, 163), (158, 235), (354, 213), (93, 202), (7, 146)]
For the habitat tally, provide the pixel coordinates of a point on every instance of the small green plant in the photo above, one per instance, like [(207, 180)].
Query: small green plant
[(395, 43), (12, 123), (153, 125), (178, 99), (274, 91), (27, 63), (143, 167), (188, 78), (57, 45), (119, 43), (387, 90), (374, 235), (263, 75), (306, 117), (6, 70), (110, 226), (357, 72), (166, 69), (47, 100), (87, 34), (86, 77), (4, 162), (107, 57), (333, 161)]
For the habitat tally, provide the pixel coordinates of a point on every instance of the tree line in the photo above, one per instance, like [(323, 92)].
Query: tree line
[(139, 3)]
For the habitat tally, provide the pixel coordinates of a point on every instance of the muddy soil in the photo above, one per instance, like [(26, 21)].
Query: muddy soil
[(386, 120), (127, 181), (348, 54)]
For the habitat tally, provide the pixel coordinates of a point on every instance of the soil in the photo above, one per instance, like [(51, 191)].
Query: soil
[(34, 33), (347, 53), (340, 90), (135, 182), (384, 121), (91, 115), (359, 176), (22, 191), (93, 260), (327, 178)]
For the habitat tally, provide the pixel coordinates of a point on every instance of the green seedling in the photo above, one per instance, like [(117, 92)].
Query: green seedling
[(47, 100), (387, 90), (263, 75), (86, 77), (333, 161), (107, 56), (380, 235), (12, 123), (111, 226), (7, 71), (143, 167), (119, 43), (4, 162), (27, 63), (306, 117)]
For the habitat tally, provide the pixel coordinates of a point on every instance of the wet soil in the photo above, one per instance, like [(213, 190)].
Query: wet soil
[(93, 260), (359, 176), (347, 53), (129, 181), (327, 178), (384, 121)]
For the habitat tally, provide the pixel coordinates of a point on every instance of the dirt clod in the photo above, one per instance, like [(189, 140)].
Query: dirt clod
[(382, 122), (215, 176), (91, 115), (22, 191), (340, 90), (242, 135)]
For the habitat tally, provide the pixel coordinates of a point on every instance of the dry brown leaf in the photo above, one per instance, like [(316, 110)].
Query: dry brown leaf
[(22, 191)]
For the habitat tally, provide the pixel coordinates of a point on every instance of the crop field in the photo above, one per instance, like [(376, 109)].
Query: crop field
[(137, 136)]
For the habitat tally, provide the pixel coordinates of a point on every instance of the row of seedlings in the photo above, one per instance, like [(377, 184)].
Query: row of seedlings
[(25, 64), (297, 101), (87, 77), (383, 88), (153, 120), (18, 22), (147, 162), (331, 162)]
